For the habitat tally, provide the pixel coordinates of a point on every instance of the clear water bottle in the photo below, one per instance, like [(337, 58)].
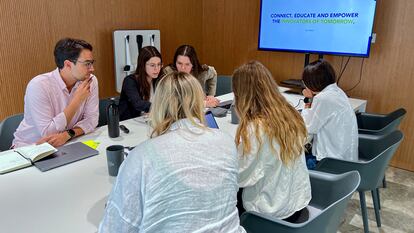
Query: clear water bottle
[(112, 115)]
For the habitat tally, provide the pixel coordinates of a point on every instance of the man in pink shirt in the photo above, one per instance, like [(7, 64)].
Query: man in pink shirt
[(64, 103)]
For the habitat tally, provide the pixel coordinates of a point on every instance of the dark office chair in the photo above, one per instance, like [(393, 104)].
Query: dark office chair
[(7, 129), (375, 152), (223, 85), (330, 196), (371, 123), (103, 105)]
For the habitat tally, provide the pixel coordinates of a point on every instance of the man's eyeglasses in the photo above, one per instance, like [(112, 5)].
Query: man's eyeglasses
[(87, 63), (153, 65)]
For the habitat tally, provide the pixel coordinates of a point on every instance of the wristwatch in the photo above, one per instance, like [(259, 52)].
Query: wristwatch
[(71, 133)]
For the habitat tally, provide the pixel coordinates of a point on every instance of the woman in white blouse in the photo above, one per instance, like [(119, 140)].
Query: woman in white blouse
[(270, 140), (329, 117), (182, 179)]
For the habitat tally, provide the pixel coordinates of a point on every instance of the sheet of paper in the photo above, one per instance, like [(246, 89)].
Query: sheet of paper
[(92, 144), (142, 119), (226, 97)]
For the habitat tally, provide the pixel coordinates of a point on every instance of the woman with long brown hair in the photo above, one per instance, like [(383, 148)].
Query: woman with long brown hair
[(138, 88), (186, 60), (270, 139)]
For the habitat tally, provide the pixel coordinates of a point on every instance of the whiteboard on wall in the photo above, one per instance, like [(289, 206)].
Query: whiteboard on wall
[(126, 43)]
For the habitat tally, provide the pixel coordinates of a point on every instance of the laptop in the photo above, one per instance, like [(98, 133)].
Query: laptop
[(210, 120), (66, 154)]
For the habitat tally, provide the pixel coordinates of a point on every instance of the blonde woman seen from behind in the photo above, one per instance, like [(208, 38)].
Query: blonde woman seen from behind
[(182, 179), (270, 140)]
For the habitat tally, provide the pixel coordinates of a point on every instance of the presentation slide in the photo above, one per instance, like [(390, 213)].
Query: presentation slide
[(318, 26)]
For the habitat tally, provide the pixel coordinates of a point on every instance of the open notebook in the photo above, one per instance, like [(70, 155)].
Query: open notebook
[(22, 157), (44, 156)]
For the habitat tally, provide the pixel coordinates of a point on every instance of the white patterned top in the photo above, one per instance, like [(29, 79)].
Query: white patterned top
[(182, 181), (270, 187)]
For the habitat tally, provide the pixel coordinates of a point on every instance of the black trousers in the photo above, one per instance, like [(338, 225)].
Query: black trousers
[(292, 218)]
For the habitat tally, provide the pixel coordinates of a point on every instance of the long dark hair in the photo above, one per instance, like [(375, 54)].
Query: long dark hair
[(140, 74), (189, 51)]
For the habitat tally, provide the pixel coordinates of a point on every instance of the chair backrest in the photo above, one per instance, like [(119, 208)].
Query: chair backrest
[(7, 129), (375, 153), (370, 123), (103, 105), (330, 194), (223, 85)]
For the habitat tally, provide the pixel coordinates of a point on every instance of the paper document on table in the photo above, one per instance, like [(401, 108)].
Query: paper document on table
[(226, 97), (143, 119), (91, 143)]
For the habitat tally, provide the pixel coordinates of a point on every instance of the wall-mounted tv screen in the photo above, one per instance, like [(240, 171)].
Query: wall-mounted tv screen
[(340, 27)]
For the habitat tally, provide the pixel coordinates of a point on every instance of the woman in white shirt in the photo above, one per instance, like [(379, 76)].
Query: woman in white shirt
[(270, 139), (182, 179), (329, 117)]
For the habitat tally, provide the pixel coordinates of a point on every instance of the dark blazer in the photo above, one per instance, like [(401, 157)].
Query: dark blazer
[(131, 103)]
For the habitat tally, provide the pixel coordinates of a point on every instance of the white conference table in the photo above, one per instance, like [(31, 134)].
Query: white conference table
[(296, 100), (72, 198)]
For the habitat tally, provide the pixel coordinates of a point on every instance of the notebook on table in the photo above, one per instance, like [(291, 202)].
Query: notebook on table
[(66, 154), (22, 157)]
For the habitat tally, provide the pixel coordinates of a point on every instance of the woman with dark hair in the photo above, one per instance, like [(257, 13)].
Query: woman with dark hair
[(138, 88), (186, 60), (328, 116)]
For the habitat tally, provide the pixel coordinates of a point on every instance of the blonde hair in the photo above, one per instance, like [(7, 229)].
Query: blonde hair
[(178, 96), (260, 104)]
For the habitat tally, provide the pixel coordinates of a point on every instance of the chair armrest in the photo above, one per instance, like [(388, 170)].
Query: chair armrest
[(373, 115), (338, 166)]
